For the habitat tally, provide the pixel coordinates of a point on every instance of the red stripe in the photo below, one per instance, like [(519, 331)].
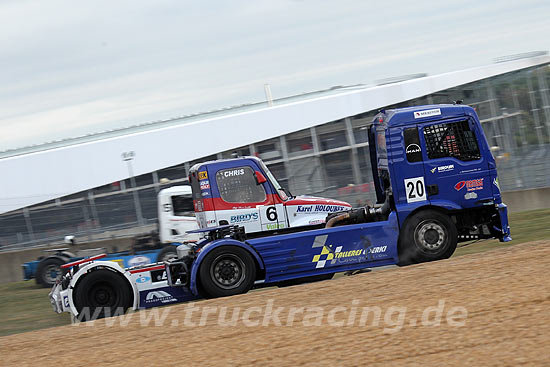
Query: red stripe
[(88, 259), (211, 204), (158, 267), (219, 204)]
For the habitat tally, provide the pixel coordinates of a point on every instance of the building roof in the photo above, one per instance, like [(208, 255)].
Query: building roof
[(36, 174)]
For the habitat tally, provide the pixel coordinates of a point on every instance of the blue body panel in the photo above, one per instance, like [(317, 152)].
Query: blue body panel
[(315, 252), (328, 250)]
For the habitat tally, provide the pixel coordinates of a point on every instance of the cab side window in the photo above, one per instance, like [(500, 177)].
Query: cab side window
[(238, 185), (454, 139)]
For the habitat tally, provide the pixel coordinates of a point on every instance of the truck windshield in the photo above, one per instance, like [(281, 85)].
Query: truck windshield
[(280, 190)]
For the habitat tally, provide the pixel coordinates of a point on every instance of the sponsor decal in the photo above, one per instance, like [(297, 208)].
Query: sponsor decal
[(320, 208), (211, 221), (158, 275), (198, 206), (250, 217), (159, 296), (339, 256), (66, 301), (235, 172), (495, 182), (413, 148), (470, 195), (271, 226), (427, 113), (203, 175), (378, 249), (205, 193), (446, 168), (205, 185), (317, 221), (471, 185), (143, 279), (138, 260)]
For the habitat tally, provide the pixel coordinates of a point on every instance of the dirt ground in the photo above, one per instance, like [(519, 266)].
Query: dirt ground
[(493, 309)]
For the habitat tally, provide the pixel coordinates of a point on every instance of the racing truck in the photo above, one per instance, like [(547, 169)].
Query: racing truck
[(436, 185), (239, 204)]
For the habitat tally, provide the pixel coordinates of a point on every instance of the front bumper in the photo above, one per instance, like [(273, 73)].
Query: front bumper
[(504, 226), (59, 299)]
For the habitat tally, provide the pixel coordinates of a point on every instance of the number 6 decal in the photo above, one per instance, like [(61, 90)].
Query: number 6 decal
[(415, 189), (271, 213)]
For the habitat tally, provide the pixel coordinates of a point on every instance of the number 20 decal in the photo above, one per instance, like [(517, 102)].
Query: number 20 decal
[(415, 189)]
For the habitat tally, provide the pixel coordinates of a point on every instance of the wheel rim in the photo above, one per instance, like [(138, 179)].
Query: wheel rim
[(51, 273), (431, 235), (103, 295), (227, 271)]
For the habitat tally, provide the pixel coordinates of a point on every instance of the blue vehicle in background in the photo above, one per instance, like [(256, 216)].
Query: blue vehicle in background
[(175, 217), (47, 269), (436, 185)]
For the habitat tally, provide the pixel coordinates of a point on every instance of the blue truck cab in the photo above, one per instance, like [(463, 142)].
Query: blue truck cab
[(437, 158)]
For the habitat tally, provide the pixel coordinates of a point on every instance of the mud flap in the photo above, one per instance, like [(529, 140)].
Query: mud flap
[(504, 226)]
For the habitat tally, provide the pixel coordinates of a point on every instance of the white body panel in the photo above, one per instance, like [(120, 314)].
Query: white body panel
[(172, 227)]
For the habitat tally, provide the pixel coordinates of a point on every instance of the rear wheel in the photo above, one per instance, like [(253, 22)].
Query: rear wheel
[(48, 270), (102, 293), (427, 236), (226, 271)]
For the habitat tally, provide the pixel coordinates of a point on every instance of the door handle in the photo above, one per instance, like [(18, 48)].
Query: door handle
[(433, 190)]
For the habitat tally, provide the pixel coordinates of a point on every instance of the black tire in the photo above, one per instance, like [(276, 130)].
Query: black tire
[(428, 235), (102, 293), (226, 271), (48, 270), (167, 253), (310, 279)]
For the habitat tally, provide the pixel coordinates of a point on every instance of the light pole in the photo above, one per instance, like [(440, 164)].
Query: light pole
[(128, 157)]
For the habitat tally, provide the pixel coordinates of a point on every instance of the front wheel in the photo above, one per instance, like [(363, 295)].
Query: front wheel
[(226, 271), (102, 293), (427, 236)]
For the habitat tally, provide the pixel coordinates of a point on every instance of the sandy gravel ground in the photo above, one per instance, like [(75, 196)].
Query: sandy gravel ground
[(494, 310)]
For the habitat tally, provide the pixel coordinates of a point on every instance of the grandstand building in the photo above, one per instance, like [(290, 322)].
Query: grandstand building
[(315, 143)]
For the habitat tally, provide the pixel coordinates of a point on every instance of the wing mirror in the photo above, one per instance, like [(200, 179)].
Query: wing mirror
[(260, 178)]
